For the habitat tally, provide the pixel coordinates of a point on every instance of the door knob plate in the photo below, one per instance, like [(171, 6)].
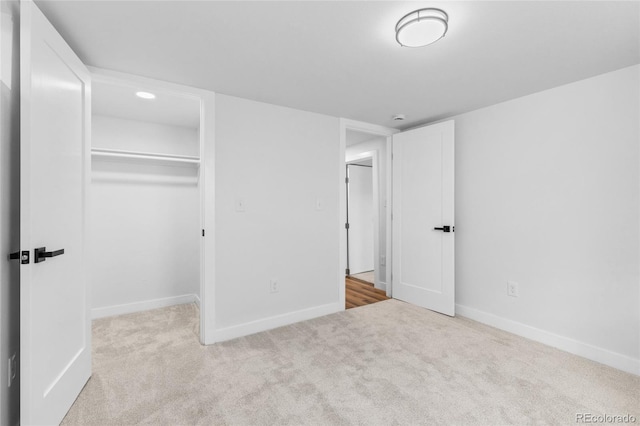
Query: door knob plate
[(22, 256)]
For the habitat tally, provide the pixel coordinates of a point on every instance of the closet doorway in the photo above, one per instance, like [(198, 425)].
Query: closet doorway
[(146, 214)]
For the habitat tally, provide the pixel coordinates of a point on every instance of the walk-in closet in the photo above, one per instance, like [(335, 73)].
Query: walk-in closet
[(146, 189)]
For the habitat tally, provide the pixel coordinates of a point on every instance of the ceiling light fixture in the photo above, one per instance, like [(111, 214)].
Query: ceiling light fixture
[(145, 95), (422, 27)]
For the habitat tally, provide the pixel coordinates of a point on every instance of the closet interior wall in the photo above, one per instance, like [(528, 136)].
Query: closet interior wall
[(145, 208)]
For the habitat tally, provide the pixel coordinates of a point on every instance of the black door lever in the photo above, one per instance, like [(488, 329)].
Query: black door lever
[(445, 228), (40, 254)]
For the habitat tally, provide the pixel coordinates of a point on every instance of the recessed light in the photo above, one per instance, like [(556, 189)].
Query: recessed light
[(422, 27), (145, 95)]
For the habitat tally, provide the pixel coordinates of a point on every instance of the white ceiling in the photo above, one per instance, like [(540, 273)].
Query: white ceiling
[(340, 57), (121, 101)]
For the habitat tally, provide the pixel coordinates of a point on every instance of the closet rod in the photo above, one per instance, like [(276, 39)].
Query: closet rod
[(101, 152)]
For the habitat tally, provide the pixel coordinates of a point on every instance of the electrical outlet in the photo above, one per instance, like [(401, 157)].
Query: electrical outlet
[(11, 369), (273, 286), (512, 289), (240, 205)]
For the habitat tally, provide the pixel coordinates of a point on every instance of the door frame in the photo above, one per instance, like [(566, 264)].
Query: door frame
[(373, 155), (206, 182), (373, 130), (10, 210)]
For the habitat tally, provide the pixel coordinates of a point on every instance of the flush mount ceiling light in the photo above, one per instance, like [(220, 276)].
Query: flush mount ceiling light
[(422, 27), (145, 95)]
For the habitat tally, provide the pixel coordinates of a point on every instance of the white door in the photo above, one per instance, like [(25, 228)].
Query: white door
[(360, 219), (55, 326), (423, 255)]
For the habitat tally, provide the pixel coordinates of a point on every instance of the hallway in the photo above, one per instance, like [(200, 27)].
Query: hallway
[(360, 293)]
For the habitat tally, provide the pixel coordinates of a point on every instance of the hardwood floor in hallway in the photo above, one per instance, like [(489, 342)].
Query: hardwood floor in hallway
[(360, 293)]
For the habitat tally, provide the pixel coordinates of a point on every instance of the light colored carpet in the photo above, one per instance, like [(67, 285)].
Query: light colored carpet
[(389, 363)]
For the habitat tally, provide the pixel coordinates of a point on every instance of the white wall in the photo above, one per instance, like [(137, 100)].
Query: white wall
[(353, 151), (132, 135), (9, 207), (279, 162), (547, 195), (145, 232)]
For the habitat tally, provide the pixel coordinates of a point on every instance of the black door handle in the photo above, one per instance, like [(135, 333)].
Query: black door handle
[(41, 254), (445, 228)]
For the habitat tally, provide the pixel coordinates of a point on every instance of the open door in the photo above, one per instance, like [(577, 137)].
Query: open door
[(360, 210), (423, 207), (55, 324)]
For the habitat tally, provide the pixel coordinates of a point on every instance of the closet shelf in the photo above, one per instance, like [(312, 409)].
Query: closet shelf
[(147, 156)]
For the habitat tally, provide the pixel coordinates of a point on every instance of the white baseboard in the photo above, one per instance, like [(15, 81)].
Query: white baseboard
[(585, 350), (128, 308), (382, 286), (197, 300), (253, 327)]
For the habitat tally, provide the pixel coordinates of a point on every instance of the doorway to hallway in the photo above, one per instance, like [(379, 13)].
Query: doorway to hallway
[(361, 293), (367, 161)]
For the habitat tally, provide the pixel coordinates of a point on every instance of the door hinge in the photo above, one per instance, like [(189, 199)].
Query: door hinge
[(346, 180), (346, 226), (203, 232), (347, 271), (22, 256)]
